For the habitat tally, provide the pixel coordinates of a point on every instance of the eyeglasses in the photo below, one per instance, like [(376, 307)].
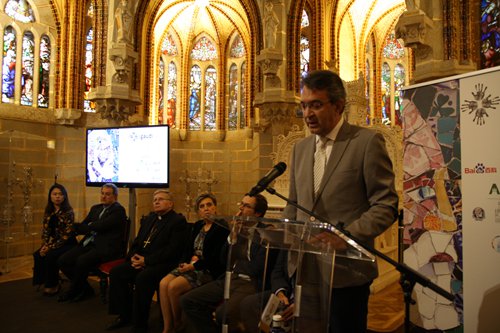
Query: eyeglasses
[(313, 105), (245, 205)]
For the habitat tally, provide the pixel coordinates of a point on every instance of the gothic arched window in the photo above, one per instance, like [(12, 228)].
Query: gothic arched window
[(9, 65), (236, 93), (29, 84), (167, 82), (304, 44), (243, 93), (44, 78), (203, 80), (393, 79), (27, 69), (89, 106)]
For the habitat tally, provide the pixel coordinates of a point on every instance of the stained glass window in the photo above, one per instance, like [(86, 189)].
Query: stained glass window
[(304, 46), (304, 22), (233, 98), (194, 98), (304, 55), (9, 65), (27, 69), (43, 79), (204, 50), (368, 78), (20, 10), (171, 94), (210, 98), (393, 48), (161, 81), (399, 82), (243, 94), (490, 34), (88, 106), (237, 48), (386, 94), (168, 46)]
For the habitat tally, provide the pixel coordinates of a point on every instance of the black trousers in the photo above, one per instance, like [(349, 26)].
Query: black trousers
[(46, 269), (76, 265), (131, 291), (199, 303)]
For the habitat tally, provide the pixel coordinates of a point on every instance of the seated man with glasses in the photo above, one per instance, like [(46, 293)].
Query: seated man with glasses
[(155, 251), (247, 270)]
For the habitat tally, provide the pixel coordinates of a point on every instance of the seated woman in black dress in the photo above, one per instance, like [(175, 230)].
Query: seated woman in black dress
[(57, 238), (202, 262)]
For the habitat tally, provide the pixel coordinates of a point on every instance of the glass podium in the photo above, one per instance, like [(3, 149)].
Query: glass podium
[(310, 265)]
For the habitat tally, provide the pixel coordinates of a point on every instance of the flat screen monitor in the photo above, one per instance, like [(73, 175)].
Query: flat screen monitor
[(135, 157)]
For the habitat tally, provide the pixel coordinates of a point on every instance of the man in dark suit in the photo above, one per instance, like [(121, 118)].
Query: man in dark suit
[(342, 173), (155, 251), (104, 230), (247, 277)]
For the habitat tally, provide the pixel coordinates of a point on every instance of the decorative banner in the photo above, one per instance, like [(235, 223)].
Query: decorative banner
[(452, 199), (480, 122)]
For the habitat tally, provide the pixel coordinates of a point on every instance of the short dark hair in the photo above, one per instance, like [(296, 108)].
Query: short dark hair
[(203, 196), (325, 80), (260, 204), (111, 186)]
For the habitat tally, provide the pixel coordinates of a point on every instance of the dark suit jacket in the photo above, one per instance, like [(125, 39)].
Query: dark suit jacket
[(256, 266), (280, 278), (357, 189), (109, 229), (167, 243), (214, 241)]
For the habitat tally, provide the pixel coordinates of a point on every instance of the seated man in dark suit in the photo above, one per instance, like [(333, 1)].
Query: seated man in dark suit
[(248, 264), (104, 229), (156, 250)]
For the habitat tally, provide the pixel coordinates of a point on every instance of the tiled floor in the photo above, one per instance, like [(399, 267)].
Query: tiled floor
[(16, 268)]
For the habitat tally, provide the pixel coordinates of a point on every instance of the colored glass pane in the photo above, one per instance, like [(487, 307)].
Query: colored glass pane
[(237, 48), (490, 34), (20, 10), (210, 98), (27, 69), (204, 50), (161, 82), (89, 106), (194, 98), (44, 72), (399, 82), (386, 93), (368, 78), (243, 93), (304, 22), (232, 118), (304, 55), (9, 65), (171, 94), (168, 46), (393, 48)]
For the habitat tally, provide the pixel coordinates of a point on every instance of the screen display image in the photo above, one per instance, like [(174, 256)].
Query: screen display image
[(128, 156)]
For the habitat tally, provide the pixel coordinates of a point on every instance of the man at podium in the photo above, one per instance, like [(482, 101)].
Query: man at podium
[(341, 173)]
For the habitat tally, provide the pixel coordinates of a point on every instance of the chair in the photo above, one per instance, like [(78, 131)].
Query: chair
[(102, 271)]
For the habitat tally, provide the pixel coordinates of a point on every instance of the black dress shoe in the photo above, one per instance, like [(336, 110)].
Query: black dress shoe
[(119, 322), (82, 295)]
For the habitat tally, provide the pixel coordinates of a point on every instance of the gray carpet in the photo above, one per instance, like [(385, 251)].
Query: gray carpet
[(24, 310)]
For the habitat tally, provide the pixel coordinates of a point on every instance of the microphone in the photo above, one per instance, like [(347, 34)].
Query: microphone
[(274, 173)]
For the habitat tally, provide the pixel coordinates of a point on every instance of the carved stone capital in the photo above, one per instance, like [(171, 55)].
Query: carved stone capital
[(115, 109), (414, 27), (270, 61), (276, 115), (66, 116), (123, 58)]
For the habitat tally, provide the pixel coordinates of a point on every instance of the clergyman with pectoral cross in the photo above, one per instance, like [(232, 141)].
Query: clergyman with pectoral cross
[(155, 251)]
